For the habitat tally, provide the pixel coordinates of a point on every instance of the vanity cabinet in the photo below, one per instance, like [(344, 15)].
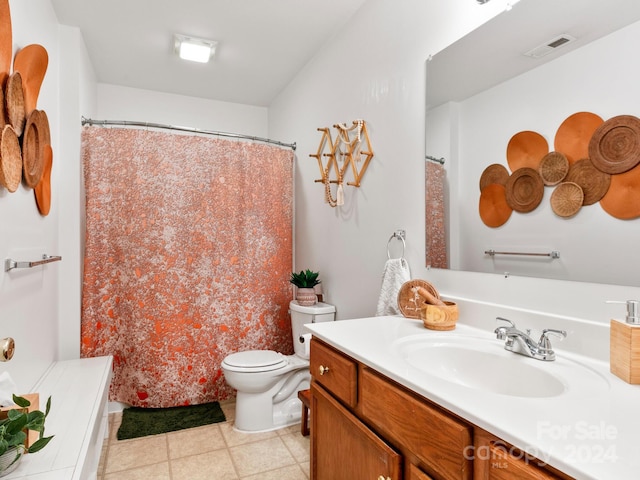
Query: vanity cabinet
[(366, 426)]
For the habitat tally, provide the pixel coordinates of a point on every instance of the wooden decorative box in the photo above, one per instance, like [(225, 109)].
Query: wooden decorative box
[(34, 398), (625, 351)]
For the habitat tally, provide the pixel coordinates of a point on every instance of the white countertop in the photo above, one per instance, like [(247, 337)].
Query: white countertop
[(587, 432)]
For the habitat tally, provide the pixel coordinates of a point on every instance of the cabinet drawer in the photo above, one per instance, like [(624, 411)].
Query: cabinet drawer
[(505, 466), (497, 460), (438, 439), (335, 372)]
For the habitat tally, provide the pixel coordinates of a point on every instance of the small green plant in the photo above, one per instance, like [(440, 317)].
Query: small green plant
[(305, 279), (14, 428)]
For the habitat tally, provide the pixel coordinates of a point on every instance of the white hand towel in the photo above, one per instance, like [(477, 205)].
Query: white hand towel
[(396, 272)]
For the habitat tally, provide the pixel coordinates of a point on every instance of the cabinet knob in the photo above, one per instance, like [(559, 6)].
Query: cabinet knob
[(382, 477), (7, 348), (324, 370)]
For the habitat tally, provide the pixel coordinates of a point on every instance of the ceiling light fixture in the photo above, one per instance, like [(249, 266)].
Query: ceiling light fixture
[(194, 49)]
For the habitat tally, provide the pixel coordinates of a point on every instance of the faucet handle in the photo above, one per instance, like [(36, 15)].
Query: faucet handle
[(501, 331), (501, 319), (545, 343)]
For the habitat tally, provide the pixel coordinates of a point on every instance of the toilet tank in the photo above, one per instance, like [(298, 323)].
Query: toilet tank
[(320, 312)]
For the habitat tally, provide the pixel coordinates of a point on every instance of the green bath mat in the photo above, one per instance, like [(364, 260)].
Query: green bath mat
[(140, 422)]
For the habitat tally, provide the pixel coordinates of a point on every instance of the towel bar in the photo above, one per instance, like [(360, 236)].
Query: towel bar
[(553, 254), (10, 264)]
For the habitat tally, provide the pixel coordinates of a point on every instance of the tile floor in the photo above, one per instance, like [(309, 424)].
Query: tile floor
[(209, 452)]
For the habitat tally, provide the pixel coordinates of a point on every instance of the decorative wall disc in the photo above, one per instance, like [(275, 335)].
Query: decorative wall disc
[(615, 145), (593, 182), (524, 190), (573, 135), (494, 173), (554, 166), (566, 199), (494, 209), (526, 149)]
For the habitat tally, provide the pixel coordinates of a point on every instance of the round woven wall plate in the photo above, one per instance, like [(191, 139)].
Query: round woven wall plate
[(409, 302), (554, 166), (10, 159), (573, 136), (593, 182), (622, 200), (32, 149), (14, 96), (42, 190), (3, 115), (494, 173), (566, 199), (494, 209), (526, 149), (615, 146), (524, 190), (42, 121)]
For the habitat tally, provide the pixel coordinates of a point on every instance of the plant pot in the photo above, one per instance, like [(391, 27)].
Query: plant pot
[(9, 461), (306, 297)]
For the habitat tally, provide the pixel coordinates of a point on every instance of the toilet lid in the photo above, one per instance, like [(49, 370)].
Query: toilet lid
[(256, 359)]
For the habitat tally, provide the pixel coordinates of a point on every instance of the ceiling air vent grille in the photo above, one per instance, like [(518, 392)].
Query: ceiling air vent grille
[(548, 47)]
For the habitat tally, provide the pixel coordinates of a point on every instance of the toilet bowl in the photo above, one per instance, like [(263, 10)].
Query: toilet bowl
[(267, 382)]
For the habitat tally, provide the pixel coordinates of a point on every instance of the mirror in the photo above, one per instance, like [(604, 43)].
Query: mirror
[(482, 90)]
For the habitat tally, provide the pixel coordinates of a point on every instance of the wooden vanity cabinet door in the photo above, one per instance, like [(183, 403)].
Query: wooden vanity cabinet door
[(414, 473), (334, 371), (343, 448), (497, 460), (409, 422)]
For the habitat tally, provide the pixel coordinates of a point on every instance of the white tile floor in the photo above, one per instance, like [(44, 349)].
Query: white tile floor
[(213, 451)]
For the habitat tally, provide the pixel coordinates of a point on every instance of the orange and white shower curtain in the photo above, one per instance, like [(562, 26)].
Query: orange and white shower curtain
[(188, 257)]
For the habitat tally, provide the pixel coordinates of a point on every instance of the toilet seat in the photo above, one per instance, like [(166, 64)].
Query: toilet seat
[(255, 361)]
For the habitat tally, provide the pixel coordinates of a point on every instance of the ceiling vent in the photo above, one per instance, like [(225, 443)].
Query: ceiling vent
[(550, 46)]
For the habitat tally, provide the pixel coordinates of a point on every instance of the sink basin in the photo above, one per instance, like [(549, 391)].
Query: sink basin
[(483, 364)]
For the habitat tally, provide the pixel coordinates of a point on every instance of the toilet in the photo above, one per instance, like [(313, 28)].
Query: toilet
[(267, 382)]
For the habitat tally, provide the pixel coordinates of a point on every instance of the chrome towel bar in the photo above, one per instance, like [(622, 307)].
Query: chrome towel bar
[(554, 254), (10, 264)]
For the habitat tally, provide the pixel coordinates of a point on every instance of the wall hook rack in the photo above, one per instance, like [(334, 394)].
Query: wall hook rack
[(10, 264), (351, 148)]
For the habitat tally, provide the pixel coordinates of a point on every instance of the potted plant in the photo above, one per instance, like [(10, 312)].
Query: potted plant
[(305, 281), (13, 433)]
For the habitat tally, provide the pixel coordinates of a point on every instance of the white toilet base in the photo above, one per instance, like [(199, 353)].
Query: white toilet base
[(257, 412), (291, 415)]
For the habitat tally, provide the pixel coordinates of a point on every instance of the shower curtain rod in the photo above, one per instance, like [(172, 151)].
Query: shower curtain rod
[(89, 121)]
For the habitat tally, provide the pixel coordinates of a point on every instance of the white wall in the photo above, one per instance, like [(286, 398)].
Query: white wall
[(124, 103), (78, 96), (29, 298), (375, 70)]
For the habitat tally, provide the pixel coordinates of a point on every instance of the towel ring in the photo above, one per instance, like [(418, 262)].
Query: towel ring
[(400, 236)]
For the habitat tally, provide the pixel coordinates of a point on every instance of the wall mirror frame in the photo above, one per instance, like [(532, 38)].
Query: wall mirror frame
[(482, 90)]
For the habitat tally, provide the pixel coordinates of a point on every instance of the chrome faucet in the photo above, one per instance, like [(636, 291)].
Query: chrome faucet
[(517, 341)]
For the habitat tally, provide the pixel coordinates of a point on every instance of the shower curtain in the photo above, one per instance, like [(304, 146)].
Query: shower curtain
[(435, 219), (188, 256)]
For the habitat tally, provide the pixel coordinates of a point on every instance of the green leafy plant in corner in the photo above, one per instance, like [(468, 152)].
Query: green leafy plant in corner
[(305, 279), (14, 428)]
